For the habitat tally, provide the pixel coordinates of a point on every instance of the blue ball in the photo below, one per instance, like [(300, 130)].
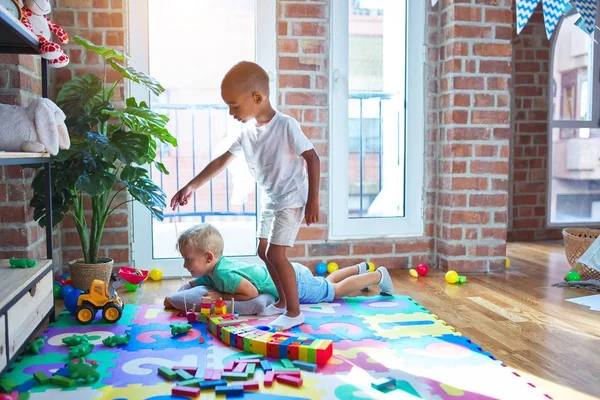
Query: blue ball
[(321, 269), (65, 290), (71, 300), (65, 276)]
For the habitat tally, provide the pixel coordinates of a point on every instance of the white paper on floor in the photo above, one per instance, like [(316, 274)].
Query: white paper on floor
[(593, 302)]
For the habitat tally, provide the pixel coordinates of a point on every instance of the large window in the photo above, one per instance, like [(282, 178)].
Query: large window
[(377, 135), (574, 171)]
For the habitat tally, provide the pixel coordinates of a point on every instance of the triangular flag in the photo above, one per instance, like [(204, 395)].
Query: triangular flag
[(553, 12), (524, 10), (433, 2), (587, 9), (580, 23)]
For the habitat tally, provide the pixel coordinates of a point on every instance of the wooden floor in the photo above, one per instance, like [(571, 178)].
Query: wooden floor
[(516, 315)]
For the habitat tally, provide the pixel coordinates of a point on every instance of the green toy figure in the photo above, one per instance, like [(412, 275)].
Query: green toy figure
[(179, 329), (35, 346), (83, 370), (81, 350), (75, 340), (22, 262), (117, 340)]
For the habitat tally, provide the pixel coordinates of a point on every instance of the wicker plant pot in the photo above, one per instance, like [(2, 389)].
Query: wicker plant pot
[(83, 274), (577, 241)]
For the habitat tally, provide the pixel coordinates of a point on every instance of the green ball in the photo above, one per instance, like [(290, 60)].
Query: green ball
[(131, 287), (573, 276), (56, 289)]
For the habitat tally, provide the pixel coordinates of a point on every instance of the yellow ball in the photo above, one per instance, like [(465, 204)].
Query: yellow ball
[(507, 262), (413, 272), (156, 274), (332, 267), (371, 266), (451, 276)]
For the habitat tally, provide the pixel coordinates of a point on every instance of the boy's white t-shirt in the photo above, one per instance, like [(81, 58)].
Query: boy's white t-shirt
[(273, 153)]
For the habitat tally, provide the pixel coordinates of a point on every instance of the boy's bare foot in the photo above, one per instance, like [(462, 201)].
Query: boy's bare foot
[(283, 322), (272, 310)]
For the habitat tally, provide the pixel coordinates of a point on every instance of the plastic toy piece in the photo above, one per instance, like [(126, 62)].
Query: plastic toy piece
[(462, 279), (289, 380), (266, 365), (230, 390), (251, 385), (189, 370), (63, 381), (234, 375), (220, 307), (22, 262), (91, 362), (286, 363), (287, 371), (205, 385), (250, 369), (240, 367), (208, 374), (117, 340), (249, 360), (413, 272), (75, 340), (183, 375), (179, 329), (191, 315), (35, 346), (269, 377), (8, 385), (216, 376), (190, 382), (41, 378), (167, 373), (201, 340), (305, 365), (185, 391), (81, 350), (83, 370), (99, 298), (229, 366)]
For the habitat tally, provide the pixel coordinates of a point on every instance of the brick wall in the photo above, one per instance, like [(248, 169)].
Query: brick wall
[(530, 146)]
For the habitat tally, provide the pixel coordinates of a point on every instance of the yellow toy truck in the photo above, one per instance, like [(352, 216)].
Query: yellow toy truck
[(98, 297)]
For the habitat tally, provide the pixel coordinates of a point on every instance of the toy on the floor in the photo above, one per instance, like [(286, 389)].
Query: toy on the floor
[(453, 277), (132, 278), (156, 274), (573, 276), (36, 345), (423, 269), (98, 298), (117, 340), (413, 272), (81, 350), (321, 269), (332, 267), (75, 340), (83, 370), (191, 315), (22, 262), (507, 262), (210, 307), (71, 300), (180, 329), (371, 266)]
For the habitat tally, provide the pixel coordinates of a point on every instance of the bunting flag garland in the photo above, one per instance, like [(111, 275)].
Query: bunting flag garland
[(525, 9), (433, 2), (587, 9), (553, 12)]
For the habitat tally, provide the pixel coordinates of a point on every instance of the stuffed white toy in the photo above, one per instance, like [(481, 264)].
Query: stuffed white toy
[(36, 20), (38, 128)]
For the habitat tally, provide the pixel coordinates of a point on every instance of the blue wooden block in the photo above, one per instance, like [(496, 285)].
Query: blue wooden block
[(26, 386), (265, 365), (212, 384), (63, 372), (305, 365), (230, 391)]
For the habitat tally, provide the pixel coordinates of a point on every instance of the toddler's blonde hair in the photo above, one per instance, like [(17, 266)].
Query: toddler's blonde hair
[(202, 238)]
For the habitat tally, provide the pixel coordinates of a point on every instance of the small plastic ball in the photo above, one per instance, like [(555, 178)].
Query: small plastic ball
[(371, 266), (422, 269), (321, 269), (71, 300), (61, 281), (507, 262), (65, 276), (56, 289), (413, 273), (332, 267), (451, 276), (156, 274), (65, 290), (69, 281), (131, 287), (573, 276)]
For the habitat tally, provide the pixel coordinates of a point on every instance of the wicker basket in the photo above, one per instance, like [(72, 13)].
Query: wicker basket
[(577, 241), (83, 274)]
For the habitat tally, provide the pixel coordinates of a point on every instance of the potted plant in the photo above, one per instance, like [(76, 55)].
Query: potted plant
[(109, 154)]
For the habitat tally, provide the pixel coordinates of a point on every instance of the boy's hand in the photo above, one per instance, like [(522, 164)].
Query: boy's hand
[(214, 295), (182, 197), (311, 214)]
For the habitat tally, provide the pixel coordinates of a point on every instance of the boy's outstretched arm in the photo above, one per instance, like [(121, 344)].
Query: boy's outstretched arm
[(313, 166), (245, 291), (213, 168)]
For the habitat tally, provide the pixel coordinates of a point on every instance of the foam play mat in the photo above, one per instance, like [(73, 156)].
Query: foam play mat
[(375, 339)]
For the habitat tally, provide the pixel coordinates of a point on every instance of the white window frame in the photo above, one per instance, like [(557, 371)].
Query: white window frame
[(593, 123), (266, 56), (412, 223)]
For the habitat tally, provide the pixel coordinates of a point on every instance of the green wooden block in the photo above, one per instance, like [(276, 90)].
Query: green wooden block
[(190, 382), (167, 373), (234, 376), (41, 378), (286, 363), (62, 381), (251, 357), (250, 368), (7, 385), (24, 396), (183, 375), (311, 354)]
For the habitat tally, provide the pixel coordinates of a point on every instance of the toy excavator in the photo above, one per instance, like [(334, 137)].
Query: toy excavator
[(88, 304)]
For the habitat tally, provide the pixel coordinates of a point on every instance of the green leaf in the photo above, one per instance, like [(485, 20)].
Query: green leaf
[(104, 52), (79, 95), (146, 121), (132, 147), (138, 77), (161, 167), (144, 190), (95, 183)]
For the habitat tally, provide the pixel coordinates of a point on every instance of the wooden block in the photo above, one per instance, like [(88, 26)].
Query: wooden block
[(240, 367), (269, 376), (286, 363), (289, 380), (289, 371), (251, 361), (208, 374), (183, 375), (185, 391), (229, 366), (250, 357), (250, 369), (189, 370), (234, 375), (167, 373), (251, 385), (190, 382), (305, 365), (217, 375), (62, 381), (266, 365), (230, 391), (206, 385), (383, 383), (41, 378)]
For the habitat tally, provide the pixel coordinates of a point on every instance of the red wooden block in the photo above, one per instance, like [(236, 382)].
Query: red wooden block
[(229, 366), (185, 391), (323, 355), (292, 373), (273, 349), (269, 376), (293, 351), (289, 380), (216, 375), (251, 385), (189, 370), (240, 367), (250, 361)]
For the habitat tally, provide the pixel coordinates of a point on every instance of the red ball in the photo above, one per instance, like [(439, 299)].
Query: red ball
[(422, 269), (62, 281)]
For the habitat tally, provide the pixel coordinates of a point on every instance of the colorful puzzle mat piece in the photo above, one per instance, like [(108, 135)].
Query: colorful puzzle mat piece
[(395, 326), (383, 305), (155, 314), (335, 328), (158, 336)]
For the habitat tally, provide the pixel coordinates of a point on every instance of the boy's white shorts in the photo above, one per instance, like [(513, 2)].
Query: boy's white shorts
[(280, 227)]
